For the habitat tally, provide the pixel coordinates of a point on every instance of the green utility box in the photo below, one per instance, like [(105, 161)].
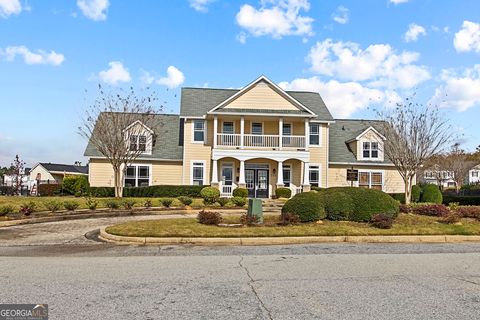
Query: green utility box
[(255, 209)]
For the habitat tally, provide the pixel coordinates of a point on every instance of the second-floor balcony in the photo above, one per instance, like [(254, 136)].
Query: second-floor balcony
[(234, 140)]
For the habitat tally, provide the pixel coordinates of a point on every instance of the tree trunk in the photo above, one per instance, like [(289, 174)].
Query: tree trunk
[(118, 185), (408, 190)]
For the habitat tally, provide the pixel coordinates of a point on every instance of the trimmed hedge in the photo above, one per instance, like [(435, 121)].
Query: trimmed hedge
[(398, 196), (48, 189), (6, 190), (431, 194), (240, 192), (342, 203), (308, 206), (75, 185), (462, 200), (358, 204), (162, 191), (102, 192), (283, 193)]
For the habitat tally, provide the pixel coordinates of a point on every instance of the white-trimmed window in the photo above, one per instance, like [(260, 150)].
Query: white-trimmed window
[(287, 129), (475, 174), (257, 128), (314, 134), (227, 174), (287, 175), (370, 150), (137, 176), (314, 175), (138, 143), (198, 173), (370, 180), (198, 130), (228, 127)]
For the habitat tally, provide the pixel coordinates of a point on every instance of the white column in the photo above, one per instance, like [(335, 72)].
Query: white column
[(306, 174), (242, 131), (241, 179), (307, 134), (280, 133), (215, 130), (280, 174), (214, 172)]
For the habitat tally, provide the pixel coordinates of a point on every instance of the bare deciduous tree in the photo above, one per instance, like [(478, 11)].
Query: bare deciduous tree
[(414, 133), (17, 171), (116, 125)]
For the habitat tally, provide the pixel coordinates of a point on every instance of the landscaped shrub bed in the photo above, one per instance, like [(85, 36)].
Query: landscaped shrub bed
[(163, 191), (469, 211), (341, 203), (6, 190), (210, 195), (438, 210), (283, 193), (45, 190), (240, 192), (209, 217)]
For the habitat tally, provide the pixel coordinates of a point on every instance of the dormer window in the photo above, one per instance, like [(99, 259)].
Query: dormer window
[(370, 150), (138, 143)]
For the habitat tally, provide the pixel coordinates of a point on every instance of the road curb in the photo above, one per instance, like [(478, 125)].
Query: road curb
[(256, 241)]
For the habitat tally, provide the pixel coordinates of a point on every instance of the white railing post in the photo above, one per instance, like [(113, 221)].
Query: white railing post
[(280, 133), (307, 133), (306, 173), (214, 173), (242, 131), (215, 131), (280, 182)]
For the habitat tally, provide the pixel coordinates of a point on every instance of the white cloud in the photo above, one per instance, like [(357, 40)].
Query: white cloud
[(242, 37), (115, 74), (459, 90), (468, 37), (398, 1), (341, 15), (9, 7), (413, 32), (94, 9), (342, 98), (173, 79), (200, 5), (276, 18), (38, 57), (379, 64)]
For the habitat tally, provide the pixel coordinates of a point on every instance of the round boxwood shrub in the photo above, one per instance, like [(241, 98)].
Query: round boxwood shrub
[(416, 193), (210, 195), (240, 192), (358, 204), (283, 193), (431, 194), (239, 201), (308, 206)]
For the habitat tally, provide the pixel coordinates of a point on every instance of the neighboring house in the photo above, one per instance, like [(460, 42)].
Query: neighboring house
[(442, 178), (55, 172), (474, 175), (259, 137), (9, 180)]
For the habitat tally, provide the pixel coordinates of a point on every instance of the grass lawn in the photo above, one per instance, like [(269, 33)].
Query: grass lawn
[(405, 224), (17, 201)]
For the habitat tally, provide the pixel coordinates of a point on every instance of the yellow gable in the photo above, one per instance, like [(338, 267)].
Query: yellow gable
[(261, 96)]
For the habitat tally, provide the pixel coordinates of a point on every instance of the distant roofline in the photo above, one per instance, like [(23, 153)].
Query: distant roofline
[(337, 119)]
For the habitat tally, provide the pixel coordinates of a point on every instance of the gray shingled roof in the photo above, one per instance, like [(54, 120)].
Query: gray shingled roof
[(68, 168), (345, 130), (167, 129), (196, 102)]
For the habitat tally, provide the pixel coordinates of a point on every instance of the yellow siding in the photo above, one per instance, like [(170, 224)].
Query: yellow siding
[(393, 182), (101, 173), (167, 173), (197, 151), (261, 96), (319, 155)]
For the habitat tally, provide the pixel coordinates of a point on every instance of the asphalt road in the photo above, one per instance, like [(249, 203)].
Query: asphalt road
[(79, 278)]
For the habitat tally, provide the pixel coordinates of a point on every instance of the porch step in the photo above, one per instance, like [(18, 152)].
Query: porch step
[(272, 205)]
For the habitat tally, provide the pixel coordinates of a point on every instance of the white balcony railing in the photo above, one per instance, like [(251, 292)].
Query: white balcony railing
[(260, 141)]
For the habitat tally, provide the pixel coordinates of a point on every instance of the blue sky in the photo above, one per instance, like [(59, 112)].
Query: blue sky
[(360, 56)]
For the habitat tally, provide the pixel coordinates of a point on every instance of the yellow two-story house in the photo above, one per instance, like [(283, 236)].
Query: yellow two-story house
[(260, 137)]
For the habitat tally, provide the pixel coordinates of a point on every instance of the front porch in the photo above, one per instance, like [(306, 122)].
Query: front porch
[(261, 176)]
